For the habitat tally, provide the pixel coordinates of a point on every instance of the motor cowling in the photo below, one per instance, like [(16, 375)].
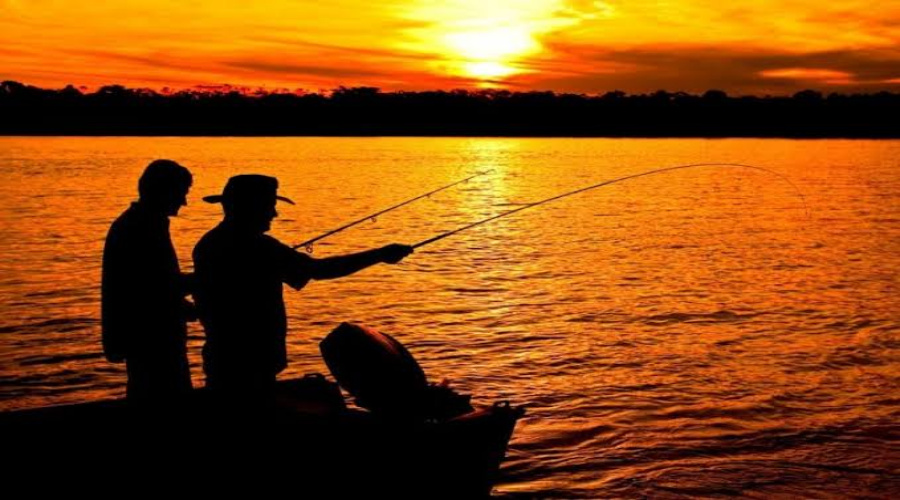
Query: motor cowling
[(384, 377)]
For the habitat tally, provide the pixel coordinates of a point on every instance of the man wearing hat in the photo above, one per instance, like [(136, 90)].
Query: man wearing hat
[(143, 306), (239, 275)]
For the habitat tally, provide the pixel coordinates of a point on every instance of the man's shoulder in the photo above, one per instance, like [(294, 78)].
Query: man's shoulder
[(210, 235), (128, 225), (272, 242), (276, 246), (135, 219), (209, 241), (222, 238), (124, 220)]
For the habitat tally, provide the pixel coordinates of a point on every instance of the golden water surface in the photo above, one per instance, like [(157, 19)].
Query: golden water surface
[(693, 333)]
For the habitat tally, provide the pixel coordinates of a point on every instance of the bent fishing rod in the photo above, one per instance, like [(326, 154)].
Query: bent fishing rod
[(308, 244), (607, 183)]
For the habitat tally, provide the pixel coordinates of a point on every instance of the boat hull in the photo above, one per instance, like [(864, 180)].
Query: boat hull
[(310, 439)]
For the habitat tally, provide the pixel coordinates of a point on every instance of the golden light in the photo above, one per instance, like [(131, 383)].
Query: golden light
[(488, 52), (825, 75), (486, 40), (563, 45), (492, 44), (488, 70)]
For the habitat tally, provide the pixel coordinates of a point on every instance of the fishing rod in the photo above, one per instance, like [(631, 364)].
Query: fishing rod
[(607, 183), (308, 244)]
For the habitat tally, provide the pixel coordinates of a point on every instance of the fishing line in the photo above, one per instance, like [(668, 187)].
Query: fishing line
[(308, 244), (607, 183)]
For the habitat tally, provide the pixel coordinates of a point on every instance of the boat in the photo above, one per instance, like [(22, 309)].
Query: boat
[(399, 440)]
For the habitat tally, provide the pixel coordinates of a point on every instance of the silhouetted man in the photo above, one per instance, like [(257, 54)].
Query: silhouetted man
[(239, 275), (144, 309)]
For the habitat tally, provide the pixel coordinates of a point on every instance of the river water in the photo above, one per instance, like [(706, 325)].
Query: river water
[(704, 332)]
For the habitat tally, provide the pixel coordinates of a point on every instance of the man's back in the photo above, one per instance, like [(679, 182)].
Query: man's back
[(142, 302), (239, 276), (141, 284)]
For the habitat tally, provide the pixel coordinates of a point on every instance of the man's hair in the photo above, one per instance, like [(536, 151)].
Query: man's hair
[(161, 176)]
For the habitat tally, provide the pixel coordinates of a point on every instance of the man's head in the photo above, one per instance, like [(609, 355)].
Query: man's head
[(164, 185), (249, 201)]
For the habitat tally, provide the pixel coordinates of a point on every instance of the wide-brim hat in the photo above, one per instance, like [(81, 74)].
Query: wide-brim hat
[(249, 187)]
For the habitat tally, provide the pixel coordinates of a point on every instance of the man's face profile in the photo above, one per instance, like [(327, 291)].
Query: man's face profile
[(177, 198)]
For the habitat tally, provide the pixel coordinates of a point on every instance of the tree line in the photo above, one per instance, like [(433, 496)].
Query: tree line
[(117, 110)]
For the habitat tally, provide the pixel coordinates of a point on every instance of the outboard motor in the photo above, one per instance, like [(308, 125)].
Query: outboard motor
[(384, 377)]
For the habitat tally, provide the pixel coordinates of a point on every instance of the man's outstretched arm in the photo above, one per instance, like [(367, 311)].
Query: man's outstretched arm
[(345, 265)]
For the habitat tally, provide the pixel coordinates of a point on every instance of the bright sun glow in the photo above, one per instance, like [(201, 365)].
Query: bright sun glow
[(489, 52), (488, 70), (487, 40), (492, 44)]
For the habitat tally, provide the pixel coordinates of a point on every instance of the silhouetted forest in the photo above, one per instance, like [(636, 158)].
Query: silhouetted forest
[(117, 110)]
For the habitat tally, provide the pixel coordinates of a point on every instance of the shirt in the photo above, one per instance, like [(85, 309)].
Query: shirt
[(142, 288), (239, 276)]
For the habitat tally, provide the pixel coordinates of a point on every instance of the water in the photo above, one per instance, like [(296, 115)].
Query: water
[(687, 334)]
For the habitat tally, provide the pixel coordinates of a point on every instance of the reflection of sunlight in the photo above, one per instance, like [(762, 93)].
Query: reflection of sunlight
[(493, 195)]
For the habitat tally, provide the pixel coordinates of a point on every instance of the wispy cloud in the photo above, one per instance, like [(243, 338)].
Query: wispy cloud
[(299, 70), (813, 74), (698, 68)]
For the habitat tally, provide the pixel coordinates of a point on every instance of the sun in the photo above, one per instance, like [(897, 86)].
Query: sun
[(488, 70), (492, 44), (486, 40), (490, 53)]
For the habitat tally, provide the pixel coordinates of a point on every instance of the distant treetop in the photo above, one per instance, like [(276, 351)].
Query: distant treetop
[(227, 110)]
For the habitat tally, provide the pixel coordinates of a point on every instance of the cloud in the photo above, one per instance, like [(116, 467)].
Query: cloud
[(825, 75), (698, 68), (301, 45), (301, 70)]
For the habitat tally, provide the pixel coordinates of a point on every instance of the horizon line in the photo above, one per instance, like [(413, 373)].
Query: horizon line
[(262, 90)]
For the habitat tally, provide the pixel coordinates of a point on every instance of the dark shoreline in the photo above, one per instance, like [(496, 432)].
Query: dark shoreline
[(367, 112)]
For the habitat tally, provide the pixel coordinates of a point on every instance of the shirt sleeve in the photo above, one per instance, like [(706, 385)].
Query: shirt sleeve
[(295, 268)]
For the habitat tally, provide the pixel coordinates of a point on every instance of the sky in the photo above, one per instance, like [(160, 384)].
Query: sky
[(763, 47)]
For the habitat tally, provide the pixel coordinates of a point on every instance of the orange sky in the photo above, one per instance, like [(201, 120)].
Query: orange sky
[(765, 46)]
